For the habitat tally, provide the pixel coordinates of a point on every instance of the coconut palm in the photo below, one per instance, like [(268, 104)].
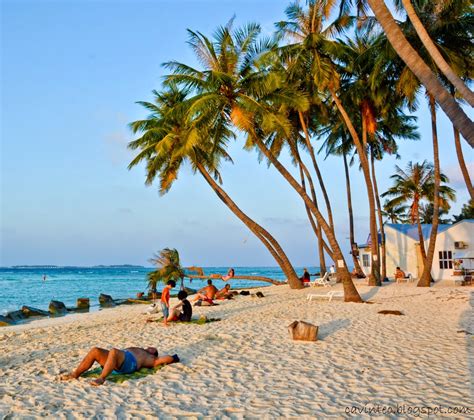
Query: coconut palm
[(419, 67), (426, 214), (310, 48), (235, 87), (395, 213), (414, 185), (168, 141), (168, 268)]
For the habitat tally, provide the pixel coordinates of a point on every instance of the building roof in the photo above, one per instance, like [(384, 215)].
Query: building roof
[(412, 230)]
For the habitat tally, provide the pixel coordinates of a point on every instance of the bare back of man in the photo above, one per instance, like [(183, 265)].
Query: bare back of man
[(128, 360), (206, 293)]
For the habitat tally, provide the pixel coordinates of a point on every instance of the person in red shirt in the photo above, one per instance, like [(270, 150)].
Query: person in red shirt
[(165, 301)]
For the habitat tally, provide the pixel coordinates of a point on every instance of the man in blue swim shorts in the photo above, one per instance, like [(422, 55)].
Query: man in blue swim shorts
[(128, 360)]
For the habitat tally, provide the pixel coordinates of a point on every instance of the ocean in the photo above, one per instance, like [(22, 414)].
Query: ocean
[(25, 286)]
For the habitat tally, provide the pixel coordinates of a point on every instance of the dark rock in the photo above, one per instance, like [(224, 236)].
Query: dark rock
[(259, 294), (29, 311), (16, 316), (106, 300), (245, 293), (83, 303), (57, 308), (388, 312), (5, 322)]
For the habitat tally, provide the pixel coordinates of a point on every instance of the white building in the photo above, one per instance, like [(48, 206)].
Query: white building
[(454, 250)]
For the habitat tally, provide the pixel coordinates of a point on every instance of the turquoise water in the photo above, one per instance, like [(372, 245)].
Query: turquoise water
[(25, 285)]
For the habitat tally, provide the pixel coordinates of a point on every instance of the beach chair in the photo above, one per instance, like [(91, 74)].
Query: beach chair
[(329, 295), (326, 280)]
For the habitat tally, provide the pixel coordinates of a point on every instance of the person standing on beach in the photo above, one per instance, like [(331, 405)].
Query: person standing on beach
[(165, 301), (306, 276)]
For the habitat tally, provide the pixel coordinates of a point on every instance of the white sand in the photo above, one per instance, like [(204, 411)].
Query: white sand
[(246, 365)]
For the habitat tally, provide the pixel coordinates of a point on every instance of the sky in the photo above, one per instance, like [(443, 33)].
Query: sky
[(71, 73)]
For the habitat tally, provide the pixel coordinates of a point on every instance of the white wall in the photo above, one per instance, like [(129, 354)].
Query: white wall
[(462, 231), (401, 252)]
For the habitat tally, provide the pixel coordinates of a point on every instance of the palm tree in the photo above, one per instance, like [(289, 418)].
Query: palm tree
[(168, 268), (168, 141), (312, 50), (395, 213), (426, 214), (230, 87), (430, 46), (421, 70), (412, 186)]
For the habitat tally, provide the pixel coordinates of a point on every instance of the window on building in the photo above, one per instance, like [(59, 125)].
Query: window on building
[(365, 260), (445, 260)]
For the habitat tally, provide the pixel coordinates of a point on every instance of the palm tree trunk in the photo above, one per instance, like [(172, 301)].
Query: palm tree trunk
[(425, 280), (433, 51), (374, 278), (322, 245), (462, 163), (350, 292), (357, 266), (316, 229), (419, 68), (266, 238), (256, 278), (316, 168), (379, 214), (420, 236)]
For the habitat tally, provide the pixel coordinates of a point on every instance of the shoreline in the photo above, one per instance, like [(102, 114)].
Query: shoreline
[(361, 358)]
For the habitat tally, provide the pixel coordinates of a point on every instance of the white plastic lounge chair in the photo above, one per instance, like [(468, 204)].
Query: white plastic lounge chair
[(326, 280), (328, 295), (320, 281)]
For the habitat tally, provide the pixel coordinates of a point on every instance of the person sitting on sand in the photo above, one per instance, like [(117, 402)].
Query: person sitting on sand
[(306, 276), (207, 293), (183, 310), (399, 274), (224, 293), (230, 274), (126, 361)]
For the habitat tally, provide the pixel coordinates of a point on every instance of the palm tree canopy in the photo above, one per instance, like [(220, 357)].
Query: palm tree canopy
[(416, 183), (168, 267)]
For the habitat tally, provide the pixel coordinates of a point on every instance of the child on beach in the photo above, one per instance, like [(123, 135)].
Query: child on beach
[(182, 311), (165, 301)]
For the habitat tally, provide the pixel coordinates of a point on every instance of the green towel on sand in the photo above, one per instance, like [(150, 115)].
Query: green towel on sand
[(199, 321), (118, 378)]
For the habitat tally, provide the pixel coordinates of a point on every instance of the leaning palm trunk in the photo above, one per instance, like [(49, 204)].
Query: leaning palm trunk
[(374, 278), (420, 69), (350, 292), (379, 215), (322, 245), (266, 238), (433, 51), (317, 231), (316, 168), (425, 280), (256, 278), (357, 266), (462, 163), (420, 236)]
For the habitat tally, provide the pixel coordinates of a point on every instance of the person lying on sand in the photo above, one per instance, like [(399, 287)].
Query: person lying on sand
[(129, 360), (224, 293), (182, 311), (206, 293)]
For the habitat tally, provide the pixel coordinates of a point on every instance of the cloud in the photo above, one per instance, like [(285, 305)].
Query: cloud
[(453, 172)]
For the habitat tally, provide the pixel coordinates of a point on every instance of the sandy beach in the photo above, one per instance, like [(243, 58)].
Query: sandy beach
[(247, 366)]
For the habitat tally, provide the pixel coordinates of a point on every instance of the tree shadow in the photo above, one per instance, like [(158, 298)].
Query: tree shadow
[(466, 324), (332, 327), (371, 293)]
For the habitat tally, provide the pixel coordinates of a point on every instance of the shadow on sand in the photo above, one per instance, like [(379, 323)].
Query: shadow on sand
[(466, 325), (331, 327)]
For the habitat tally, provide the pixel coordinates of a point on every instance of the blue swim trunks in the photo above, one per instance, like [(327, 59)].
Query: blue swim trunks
[(129, 365), (165, 310)]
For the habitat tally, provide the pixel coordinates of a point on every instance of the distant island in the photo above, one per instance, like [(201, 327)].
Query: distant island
[(77, 266)]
